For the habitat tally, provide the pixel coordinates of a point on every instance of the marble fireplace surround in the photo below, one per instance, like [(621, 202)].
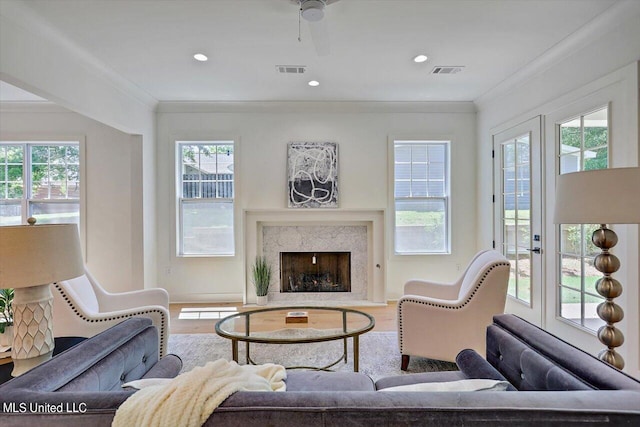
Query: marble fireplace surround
[(361, 232)]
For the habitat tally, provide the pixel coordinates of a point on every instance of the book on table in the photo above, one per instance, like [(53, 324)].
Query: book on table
[(297, 317)]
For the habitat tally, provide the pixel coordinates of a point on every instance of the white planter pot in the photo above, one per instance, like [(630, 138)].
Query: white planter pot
[(6, 339), (262, 300)]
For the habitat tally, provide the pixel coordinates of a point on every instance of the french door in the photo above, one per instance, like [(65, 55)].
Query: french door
[(518, 215)]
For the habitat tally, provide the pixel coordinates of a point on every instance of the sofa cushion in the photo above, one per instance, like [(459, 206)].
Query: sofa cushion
[(422, 377), (84, 293), (328, 381)]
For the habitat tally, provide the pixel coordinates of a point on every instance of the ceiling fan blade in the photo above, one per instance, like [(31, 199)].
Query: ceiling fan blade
[(320, 37)]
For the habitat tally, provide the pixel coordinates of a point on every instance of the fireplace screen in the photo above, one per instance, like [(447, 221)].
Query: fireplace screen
[(315, 271)]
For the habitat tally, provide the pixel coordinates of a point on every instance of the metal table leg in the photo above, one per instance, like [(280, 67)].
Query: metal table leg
[(234, 350), (356, 353)]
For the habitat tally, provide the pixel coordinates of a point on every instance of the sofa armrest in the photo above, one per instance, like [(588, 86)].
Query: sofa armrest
[(474, 366), (167, 367)]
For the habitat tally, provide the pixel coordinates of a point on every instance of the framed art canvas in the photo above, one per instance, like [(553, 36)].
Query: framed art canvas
[(312, 174)]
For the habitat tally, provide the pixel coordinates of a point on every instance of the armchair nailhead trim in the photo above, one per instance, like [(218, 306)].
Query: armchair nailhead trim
[(107, 319), (447, 307)]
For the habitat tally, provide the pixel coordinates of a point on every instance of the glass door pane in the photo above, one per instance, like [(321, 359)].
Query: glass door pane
[(516, 216)]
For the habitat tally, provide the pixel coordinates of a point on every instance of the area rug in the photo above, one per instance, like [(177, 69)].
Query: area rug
[(379, 354)]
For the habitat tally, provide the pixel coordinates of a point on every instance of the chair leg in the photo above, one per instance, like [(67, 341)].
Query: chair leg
[(405, 362)]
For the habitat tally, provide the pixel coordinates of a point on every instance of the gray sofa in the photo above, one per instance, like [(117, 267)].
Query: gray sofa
[(82, 385), (553, 383)]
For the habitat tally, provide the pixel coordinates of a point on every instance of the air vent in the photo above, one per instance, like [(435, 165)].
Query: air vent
[(446, 70), (291, 69)]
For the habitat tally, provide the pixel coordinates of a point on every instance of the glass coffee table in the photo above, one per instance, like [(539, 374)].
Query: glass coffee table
[(273, 326)]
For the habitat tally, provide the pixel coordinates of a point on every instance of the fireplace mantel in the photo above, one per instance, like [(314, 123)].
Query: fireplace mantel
[(255, 220)]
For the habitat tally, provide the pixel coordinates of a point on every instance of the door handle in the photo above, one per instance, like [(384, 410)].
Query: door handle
[(535, 250)]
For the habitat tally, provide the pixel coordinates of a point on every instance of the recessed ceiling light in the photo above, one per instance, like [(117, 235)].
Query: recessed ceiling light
[(420, 58), (314, 83), (200, 57)]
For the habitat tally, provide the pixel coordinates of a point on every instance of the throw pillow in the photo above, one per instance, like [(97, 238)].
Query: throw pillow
[(461, 385)]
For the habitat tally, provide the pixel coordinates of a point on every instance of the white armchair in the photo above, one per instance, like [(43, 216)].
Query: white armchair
[(82, 308), (438, 320)]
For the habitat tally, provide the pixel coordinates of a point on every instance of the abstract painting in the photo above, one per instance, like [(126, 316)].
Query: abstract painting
[(313, 174)]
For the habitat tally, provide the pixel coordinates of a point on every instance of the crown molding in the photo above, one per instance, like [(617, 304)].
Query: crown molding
[(31, 107), (465, 107)]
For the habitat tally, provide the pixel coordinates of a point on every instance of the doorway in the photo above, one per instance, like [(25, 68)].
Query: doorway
[(518, 215)]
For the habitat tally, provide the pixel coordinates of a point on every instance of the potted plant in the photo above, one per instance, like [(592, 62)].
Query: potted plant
[(261, 270), (6, 317)]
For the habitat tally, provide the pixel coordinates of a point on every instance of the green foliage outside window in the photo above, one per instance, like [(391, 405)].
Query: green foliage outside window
[(595, 141), (55, 165), (189, 152), (11, 183)]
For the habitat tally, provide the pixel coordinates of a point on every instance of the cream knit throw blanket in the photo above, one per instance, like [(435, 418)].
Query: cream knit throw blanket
[(189, 399)]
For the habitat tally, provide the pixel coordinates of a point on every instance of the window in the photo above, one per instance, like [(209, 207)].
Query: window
[(583, 146), (516, 213), (205, 198), (39, 179), (421, 193)]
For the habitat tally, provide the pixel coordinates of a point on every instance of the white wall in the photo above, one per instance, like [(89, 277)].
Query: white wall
[(597, 63), (39, 59), (263, 130), (111, 176)]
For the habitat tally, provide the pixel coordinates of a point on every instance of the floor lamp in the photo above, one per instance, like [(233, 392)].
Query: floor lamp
[(603, 196), (31, 258)]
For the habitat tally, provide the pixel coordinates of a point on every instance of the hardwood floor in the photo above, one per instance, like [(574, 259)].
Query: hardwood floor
[(200, 318)]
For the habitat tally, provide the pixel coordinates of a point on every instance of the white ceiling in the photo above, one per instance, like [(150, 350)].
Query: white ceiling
[(372, 43)]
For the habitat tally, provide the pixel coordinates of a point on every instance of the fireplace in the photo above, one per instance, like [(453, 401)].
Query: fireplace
[(360, 232), (315, 272)]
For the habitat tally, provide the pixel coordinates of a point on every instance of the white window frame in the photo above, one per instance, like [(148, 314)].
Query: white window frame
[(581, 154), (182, 201), (27, 199), (9, 139), (446, 142)]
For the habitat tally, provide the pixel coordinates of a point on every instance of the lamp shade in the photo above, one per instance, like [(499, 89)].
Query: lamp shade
[(32, 255), (603, 196)]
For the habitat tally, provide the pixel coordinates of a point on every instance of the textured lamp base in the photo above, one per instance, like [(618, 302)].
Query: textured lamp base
[(609, 288), (32, 328)]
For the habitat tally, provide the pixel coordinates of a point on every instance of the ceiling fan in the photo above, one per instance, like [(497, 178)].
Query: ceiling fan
[(312, 11)]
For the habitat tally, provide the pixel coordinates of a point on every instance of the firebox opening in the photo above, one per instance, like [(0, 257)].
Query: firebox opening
[(315, 271)]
